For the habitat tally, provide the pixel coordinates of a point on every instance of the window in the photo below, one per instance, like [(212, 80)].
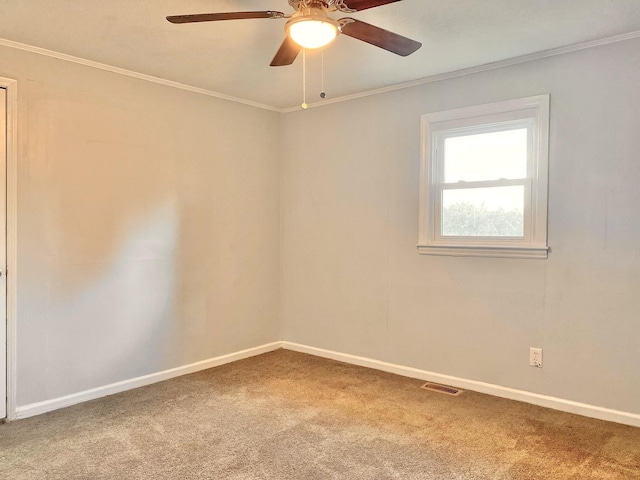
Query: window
[(483, 180)]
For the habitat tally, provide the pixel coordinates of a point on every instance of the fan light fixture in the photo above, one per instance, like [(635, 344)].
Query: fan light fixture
[(311, 26), (312, 29)]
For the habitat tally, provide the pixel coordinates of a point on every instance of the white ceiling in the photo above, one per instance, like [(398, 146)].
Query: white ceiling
[(232, 57)]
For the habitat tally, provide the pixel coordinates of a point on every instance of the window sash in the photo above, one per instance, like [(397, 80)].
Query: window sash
[(440, 137), (438, 187), (493, 240)]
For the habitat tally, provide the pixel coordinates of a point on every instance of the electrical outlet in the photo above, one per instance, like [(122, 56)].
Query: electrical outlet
[(535, 357)]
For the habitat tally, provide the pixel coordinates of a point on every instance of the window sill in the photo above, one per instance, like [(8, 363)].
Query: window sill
[(484, 251)]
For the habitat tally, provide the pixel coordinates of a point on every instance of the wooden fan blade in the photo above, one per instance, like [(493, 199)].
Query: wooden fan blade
[(380, 38), (212, 17), (359, 5), (286, 54)]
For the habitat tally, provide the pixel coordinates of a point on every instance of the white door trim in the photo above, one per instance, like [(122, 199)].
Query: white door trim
[(12, 214)]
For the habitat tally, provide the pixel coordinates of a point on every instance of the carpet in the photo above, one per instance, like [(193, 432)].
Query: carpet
[(286, 415)]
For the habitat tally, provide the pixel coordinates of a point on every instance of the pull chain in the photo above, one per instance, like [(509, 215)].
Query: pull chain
[(304, 79), (322, 92)]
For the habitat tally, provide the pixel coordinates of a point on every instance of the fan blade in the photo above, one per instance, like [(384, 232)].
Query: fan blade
[(212, 17), (359, 5), (380, 38), (286, 54)]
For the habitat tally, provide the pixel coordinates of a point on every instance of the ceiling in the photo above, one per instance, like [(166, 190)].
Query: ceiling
[(232, 57)]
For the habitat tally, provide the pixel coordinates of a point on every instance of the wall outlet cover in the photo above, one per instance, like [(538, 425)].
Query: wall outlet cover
[(535, 357)]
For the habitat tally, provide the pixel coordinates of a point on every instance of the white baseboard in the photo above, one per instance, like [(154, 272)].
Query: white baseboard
[(68, 400), (482, 387), (555, 403)]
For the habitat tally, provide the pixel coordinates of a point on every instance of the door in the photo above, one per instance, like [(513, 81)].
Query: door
[(3, 253)]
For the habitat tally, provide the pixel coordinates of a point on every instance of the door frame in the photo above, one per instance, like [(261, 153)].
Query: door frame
[(11, 86)]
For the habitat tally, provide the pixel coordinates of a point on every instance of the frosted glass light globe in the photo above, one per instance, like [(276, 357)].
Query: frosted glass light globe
[(311, 33)]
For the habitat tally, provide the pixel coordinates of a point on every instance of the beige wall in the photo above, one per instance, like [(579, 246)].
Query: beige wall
[(147, 226), (353, 281), (151, 222)]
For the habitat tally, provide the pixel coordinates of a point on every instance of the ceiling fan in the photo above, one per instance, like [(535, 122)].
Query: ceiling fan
[(312, 27)]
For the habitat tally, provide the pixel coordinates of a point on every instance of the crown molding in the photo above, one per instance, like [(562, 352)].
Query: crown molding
[(400, 86), (480, 68), (131, 73)]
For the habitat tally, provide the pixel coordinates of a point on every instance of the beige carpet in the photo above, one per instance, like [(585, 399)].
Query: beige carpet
[(286, 415)]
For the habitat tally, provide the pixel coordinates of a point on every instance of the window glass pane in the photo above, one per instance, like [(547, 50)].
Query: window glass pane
[(483, 212), (486, 156)]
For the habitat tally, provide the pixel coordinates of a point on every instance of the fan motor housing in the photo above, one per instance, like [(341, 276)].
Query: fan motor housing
[(326, 5)]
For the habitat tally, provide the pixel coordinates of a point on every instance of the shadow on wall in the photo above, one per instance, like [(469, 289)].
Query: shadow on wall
[(97, 271), (120, 313), (148, 235)]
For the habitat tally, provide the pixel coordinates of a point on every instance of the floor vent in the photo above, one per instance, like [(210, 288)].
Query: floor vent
[(442, 389)]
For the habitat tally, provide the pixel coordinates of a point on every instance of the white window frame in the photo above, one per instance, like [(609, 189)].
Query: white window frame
[(529, 112)]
